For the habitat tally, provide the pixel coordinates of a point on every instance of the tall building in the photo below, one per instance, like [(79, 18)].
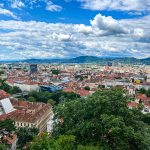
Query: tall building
[(109, 64), (33, 68)]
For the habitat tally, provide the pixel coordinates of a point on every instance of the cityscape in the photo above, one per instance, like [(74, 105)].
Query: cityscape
[(74, 75)]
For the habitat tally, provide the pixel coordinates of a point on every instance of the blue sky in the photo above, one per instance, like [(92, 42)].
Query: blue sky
[(70, 28)]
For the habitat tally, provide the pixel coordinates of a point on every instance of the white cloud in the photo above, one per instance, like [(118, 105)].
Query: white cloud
[(135, 13), (7, 13), (123, 5), (83, 28), (17, 4), (138, 32), (61, 37), (48, 40), (108, 25), (53, 7)]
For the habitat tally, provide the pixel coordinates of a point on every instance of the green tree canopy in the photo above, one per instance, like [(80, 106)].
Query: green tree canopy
[(142, 91), (87, 88), (63, 142), (15, 90), (12, 90), (31, 99), (3, 146), (55, 71), (57, 97), (25, 135), (7, 124), (148, 93), (104, 120)]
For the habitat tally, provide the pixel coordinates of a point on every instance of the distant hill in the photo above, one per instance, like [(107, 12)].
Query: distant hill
[(146, 61), (84, 59), (89, 59)]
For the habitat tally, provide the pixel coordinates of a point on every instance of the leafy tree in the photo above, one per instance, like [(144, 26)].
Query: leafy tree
[(63, 142), (40, 96), (148, 93), (103, 119), (15, 90), (12, 90), (51, 102), (7, 124), (3, 146), (146, 118), (87, 88), (2, 82), (25, 135), (81, 147), (101, 86), (140, 106), (31, 99), (4, 86), (55, 72), (40, 142), (61, 96), (57, 97), (142, 91)]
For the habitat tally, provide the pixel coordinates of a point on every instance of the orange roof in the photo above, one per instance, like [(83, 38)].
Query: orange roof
[(142, 97), (68, 89), (3, 94), (133, 104), (83, 92), (26, 111)]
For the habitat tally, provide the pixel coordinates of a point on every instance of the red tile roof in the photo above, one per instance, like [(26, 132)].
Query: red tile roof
[(26, 111), (142, 97), (133, 104), (3, 94)]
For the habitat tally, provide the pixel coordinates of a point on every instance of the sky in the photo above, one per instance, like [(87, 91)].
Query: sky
[(71, 28)]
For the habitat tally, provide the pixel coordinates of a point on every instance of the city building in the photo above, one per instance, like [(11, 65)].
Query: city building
[(33, 68), (26, 114), (50, 88)]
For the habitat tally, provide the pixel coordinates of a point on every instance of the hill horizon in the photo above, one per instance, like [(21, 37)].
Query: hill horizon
[(84, 59)]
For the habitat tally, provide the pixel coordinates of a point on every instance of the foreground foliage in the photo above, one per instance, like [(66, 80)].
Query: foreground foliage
[(103, 119), (100, 122), (25, 135), (63, 142)]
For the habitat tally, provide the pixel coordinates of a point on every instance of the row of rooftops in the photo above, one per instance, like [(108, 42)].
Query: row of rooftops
[(140, 99), (24, 115), (24, 111)]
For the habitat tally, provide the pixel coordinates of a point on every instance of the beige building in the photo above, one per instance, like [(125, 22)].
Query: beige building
[(28, 114), (27, 86)]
